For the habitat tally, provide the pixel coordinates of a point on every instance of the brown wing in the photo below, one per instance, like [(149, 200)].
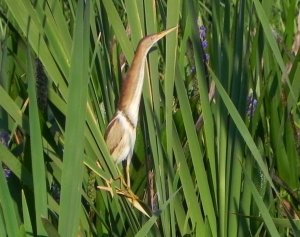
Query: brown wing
[(114, 134)]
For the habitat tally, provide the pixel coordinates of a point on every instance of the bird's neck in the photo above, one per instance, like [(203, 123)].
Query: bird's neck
[(132, 87)]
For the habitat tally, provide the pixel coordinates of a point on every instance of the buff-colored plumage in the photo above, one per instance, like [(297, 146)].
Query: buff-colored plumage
[(121, 131)]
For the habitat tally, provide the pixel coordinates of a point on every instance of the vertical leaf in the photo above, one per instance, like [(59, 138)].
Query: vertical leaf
[(72, 171)]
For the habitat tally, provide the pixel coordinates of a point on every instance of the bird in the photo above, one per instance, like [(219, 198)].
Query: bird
[(120, 133)]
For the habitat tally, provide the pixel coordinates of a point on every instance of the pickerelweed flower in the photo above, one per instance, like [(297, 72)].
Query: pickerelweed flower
[(251, 105), (7, 172), (202, 35), (4, 138)]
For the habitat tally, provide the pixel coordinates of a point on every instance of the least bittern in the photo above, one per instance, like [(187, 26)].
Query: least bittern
[(121, 131)]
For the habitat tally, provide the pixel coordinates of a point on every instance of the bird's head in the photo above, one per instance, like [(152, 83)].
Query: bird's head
[(147, 42)]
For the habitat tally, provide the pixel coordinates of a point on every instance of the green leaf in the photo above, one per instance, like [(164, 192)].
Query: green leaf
[(242, 129), (263, 209), (52, 232), (7, 209), (147, 226), (26, 215), (73, 167)]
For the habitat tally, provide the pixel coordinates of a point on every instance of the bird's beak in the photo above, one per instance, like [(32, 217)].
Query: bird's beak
[(160, 35)]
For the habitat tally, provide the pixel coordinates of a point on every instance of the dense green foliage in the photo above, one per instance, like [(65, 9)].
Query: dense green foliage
[(218, 139)]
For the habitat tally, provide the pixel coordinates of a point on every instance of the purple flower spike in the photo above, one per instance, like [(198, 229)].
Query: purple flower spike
[(204, 43), (251, 103), (7, 172), (206, 57), (4, 138), (202, 31)]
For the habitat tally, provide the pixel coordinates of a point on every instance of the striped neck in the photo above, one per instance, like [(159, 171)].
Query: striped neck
[(133, 83), (132, 87)]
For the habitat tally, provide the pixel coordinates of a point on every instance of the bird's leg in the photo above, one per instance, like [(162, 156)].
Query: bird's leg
[(120, 177), (127, 172), (122, 181)]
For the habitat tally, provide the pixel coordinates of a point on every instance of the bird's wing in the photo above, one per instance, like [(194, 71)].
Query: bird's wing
[(114, 134)]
